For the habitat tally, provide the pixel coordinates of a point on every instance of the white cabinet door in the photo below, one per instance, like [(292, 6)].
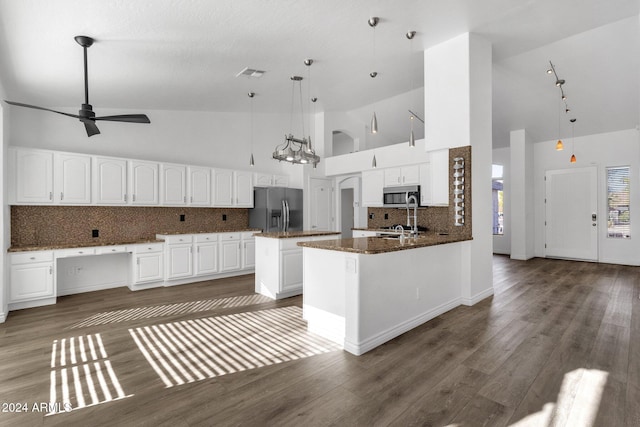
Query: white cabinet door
[(72, 179), (410, 175), (281, 180), (173, 184), (109, 181), (148, 267), (291, 270), (426, 195), (262, 179), (144, 183), (363, 233), (33, 177), (206, 258), (223, 187), (248, 253), (31, 281), (243, 189), (392, 177), (230, 255), (199, 186), (439, 164), (179, 261), (372, 184)]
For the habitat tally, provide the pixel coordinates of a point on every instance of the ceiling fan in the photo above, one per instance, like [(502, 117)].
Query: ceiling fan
[(86, 114)]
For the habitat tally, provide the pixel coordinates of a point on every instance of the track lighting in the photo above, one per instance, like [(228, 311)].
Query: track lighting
[(412, 138), (251, 95), (373, 22)]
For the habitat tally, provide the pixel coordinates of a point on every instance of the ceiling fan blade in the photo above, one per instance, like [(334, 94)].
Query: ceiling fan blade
[(91, 127), (35, 107), (130, 118)]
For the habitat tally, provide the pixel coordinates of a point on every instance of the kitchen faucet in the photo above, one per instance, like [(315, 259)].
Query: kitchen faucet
[(414, 229)]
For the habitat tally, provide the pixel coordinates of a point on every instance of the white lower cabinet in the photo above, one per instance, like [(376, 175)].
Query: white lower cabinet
[(179, 261), (230, 252), (148, 263), (248, 250), (31, 276), (206, 261), (291, 269)]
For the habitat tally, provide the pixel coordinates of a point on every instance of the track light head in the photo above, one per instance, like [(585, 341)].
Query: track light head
[(560, 82), (410, 35), (373, 21)]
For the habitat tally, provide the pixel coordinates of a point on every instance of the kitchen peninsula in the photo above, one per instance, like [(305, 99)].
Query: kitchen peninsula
[(279, 261), (362, 292)]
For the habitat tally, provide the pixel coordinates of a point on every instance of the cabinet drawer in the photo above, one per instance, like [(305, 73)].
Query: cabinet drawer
[(110, 250), (248, 235), (179, 239), (27, 257), (148, 248), (203, 238), (229, 236), (65, 253)]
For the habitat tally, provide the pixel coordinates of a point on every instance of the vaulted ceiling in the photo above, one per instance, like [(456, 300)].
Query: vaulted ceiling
[(185, 54)]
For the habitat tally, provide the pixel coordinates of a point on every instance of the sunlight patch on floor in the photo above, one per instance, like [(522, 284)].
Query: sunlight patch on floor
[(81, 375), (577, 403), (150, 312), (193, 350)]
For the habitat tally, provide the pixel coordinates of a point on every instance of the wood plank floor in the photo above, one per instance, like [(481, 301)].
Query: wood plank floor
[(556, 345)]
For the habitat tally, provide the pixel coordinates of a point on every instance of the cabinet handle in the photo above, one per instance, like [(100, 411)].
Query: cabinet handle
[(125, 197), (80, 252), (133, 198), (138, 261), (185, 199), (61, 195), (191, 199), (149, 248), (50, 270), (32, 257), (50, 195), (113, 250)]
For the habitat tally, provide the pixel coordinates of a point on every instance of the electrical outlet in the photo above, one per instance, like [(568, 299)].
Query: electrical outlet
[(371, 215), (224, 217), (386, 216), (182, 217), (95, 233)]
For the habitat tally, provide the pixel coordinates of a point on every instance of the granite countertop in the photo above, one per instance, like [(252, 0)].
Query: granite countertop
[(378, 245), (295, 234), (96, 243), (79, 245), (229, 230)]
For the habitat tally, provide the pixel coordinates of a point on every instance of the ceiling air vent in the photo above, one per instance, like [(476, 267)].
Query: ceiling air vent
[(250, 72)]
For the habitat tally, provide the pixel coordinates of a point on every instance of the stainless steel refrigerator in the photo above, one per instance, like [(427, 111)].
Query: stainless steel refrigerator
[(276, 209)]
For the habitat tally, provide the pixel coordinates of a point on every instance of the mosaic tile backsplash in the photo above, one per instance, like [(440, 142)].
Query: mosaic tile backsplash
[(51, 225)]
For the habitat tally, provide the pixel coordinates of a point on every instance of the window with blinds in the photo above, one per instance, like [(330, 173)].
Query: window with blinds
[(618, 195)]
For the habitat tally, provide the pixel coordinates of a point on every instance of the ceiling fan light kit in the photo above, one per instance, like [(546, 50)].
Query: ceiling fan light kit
[(86, 114)]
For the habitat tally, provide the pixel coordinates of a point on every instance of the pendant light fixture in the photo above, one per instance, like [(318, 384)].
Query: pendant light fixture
[(374, 163), (412, 138), (373, 22), (573, 156), (251, 95), (297, 150), (559, 145)]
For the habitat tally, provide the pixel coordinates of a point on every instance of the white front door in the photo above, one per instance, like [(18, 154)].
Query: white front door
[(571, 214), (321, 206)]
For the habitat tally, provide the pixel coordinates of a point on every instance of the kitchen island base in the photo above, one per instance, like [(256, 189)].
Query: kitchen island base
[(361, 301)]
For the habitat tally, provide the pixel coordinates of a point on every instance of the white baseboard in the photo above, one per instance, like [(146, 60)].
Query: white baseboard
[(376, 340), (31, 304), (3, 317), (478, 297), (195, 279)]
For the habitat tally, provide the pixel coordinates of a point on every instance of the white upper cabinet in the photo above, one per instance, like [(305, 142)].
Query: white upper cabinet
[(243, 189), (109, 181), (232, 188), (372, 184), (173, 184), (72, 179), (263, 179), (199, 184), (434, 179), (405, 175), (32, 175), (143, 183), (223, 187)]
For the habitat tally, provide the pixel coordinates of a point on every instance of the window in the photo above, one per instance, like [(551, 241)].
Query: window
[(498, 199), (618, 194)]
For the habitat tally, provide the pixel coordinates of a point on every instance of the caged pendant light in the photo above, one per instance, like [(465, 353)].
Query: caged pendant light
[(373, 22)]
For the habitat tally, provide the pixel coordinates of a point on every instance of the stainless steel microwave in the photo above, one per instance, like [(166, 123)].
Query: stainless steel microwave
[(396, 197)]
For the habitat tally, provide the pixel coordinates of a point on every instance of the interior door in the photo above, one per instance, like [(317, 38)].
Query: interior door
[(321, 206), (571, 214)]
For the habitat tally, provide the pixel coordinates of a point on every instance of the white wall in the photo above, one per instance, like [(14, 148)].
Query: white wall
[(189, 137), (502, 244), (620, 148)]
